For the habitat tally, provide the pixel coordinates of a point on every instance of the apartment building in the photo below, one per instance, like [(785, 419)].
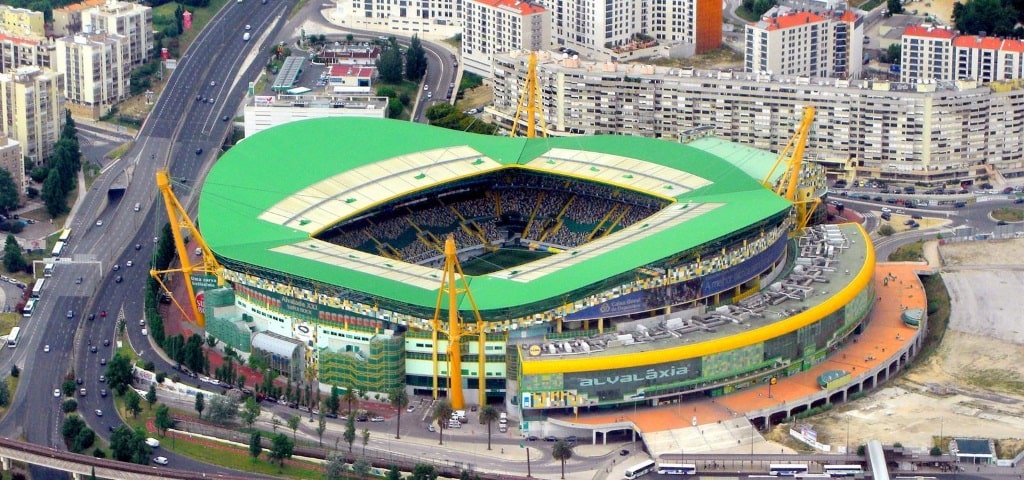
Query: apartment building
[(788, 42), (132, 20), (11, 159), (68, 20), (494, 26), (598, 29), (987, 59), (32, 109), (97, 72), (926, 54), (22, 51), (926, 132), (21, 22)]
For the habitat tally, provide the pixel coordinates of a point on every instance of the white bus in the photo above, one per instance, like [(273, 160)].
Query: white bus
[(29, 306), (677, 469), (57, 249), (786, 469), (37, 289), (48, 270), (844, 470), (12, 339), (65, 235), (639, 470)]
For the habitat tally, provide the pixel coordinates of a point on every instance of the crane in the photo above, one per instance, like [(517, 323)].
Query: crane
[(528, 101), (804, 199), (179, 221)]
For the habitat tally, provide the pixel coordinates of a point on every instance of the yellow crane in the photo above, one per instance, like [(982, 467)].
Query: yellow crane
[(208, 265), (804, 199), (528, 101)]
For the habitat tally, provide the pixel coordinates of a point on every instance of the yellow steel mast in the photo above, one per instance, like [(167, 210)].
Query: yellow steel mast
[(792, 155), (453, 283), (179, 220), (528, 101)]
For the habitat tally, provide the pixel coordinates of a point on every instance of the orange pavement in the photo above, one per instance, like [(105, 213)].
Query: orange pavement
[(884, 335)]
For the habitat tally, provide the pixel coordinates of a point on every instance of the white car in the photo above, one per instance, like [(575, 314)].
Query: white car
[(886, 210), (152, 442), (99, 223), (56, 392), (128, 263), (248, 27), (46, 348), (99, 413), (160, 460), (213, 83)]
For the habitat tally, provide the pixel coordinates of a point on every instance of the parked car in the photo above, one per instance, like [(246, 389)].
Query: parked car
[(378, 419), (160, 460)]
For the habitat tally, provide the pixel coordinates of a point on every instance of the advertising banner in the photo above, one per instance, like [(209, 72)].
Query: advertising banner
[(735, 275)]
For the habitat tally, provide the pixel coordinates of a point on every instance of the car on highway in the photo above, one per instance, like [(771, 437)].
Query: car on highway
[(377, 419), (99, 413), (248, 27), (532, 438), (213, 83), (92, 349), (92, 316), (128, 263), (71, 314), (138, 246), (78, 280), (550, 438), (117, 267), (46, 348), (103, 379), (99, 223), (118, 279), (103, 361), (199, 151), (106, 342), (56, 392), (226, 118), (103, 392), (160, 460), (410, 408), (362, 418), (152, 442), (82, 392)]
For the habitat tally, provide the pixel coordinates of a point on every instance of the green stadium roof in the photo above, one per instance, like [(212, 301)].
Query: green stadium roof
[(265, 199)]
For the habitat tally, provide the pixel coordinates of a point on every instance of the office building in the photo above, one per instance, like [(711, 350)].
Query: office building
[(32, 109)]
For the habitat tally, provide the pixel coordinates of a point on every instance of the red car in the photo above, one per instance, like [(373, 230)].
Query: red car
[(103, 313)]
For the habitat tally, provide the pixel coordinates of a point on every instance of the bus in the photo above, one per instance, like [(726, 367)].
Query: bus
[(29, 306), (48, 270), (786, 469), (844, 470), (639, 470), (57, 249), (12, 339), (65, 235), (677, 469), (37, 289)]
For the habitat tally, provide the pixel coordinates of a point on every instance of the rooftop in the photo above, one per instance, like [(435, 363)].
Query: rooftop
[(523, 7), (929, 31)]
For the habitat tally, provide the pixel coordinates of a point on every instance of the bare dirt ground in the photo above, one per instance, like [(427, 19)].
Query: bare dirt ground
[(973, 385)]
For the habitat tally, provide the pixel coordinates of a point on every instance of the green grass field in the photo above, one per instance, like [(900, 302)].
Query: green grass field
[(500, 260)]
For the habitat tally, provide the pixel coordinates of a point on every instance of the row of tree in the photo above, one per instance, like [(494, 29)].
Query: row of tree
[(62, 169)]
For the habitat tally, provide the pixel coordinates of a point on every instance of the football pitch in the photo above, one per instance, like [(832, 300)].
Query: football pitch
[(500, 260)]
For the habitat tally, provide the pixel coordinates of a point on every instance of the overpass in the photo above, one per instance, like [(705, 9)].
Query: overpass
[(81, 466)]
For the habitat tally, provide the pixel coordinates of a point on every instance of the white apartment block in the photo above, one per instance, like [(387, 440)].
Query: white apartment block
[(988, 59), (494, 26), (12, 160), (68, 20), (263, 112), (21, 22), (600, 29), (32, 109), (97, 72), (132, 20), (17, 51), (787, 42), (926, 54), (928, 132)]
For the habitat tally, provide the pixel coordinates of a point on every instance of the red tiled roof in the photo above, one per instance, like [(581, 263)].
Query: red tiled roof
[(81, 6), (931, 32), (974, 41), (18, 40), (351, 71), (1013, 45), (849, 16), (792, 20), (525, 8)]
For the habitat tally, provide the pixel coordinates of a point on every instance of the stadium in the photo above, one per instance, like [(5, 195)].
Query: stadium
[(603, 271)]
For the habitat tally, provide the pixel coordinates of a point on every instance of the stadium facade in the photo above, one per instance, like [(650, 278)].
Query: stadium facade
[(657, 270)]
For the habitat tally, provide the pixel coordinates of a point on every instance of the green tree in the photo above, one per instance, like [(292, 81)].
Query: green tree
[(14, 261), (393, 474), (398, 399), (222, 409), (333, 402), (561, 451), (250, 412), (53, 194), (488, 415), (127, 445), (133, 403), (389, 63), (69, 405), (415, 60), (993, 17), (163, 420), (762, 6), (442, 412), (321, 426), (293, 423), (119, 373), (336, 466), (349, 397), (281, 448), (886, 230), (893, 7), (366, 439), (5, 393), (255, 445), (350, 431), (73, 424), (8, 192), (423, 472), (893, 54), (151, 395), (361, 468), (200, 404)]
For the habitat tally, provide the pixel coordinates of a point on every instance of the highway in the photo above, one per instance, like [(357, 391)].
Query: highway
[(172, 135)]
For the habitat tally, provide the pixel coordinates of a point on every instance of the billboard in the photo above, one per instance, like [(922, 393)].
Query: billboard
[(735, 275), (640, 301), (631, 382)]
